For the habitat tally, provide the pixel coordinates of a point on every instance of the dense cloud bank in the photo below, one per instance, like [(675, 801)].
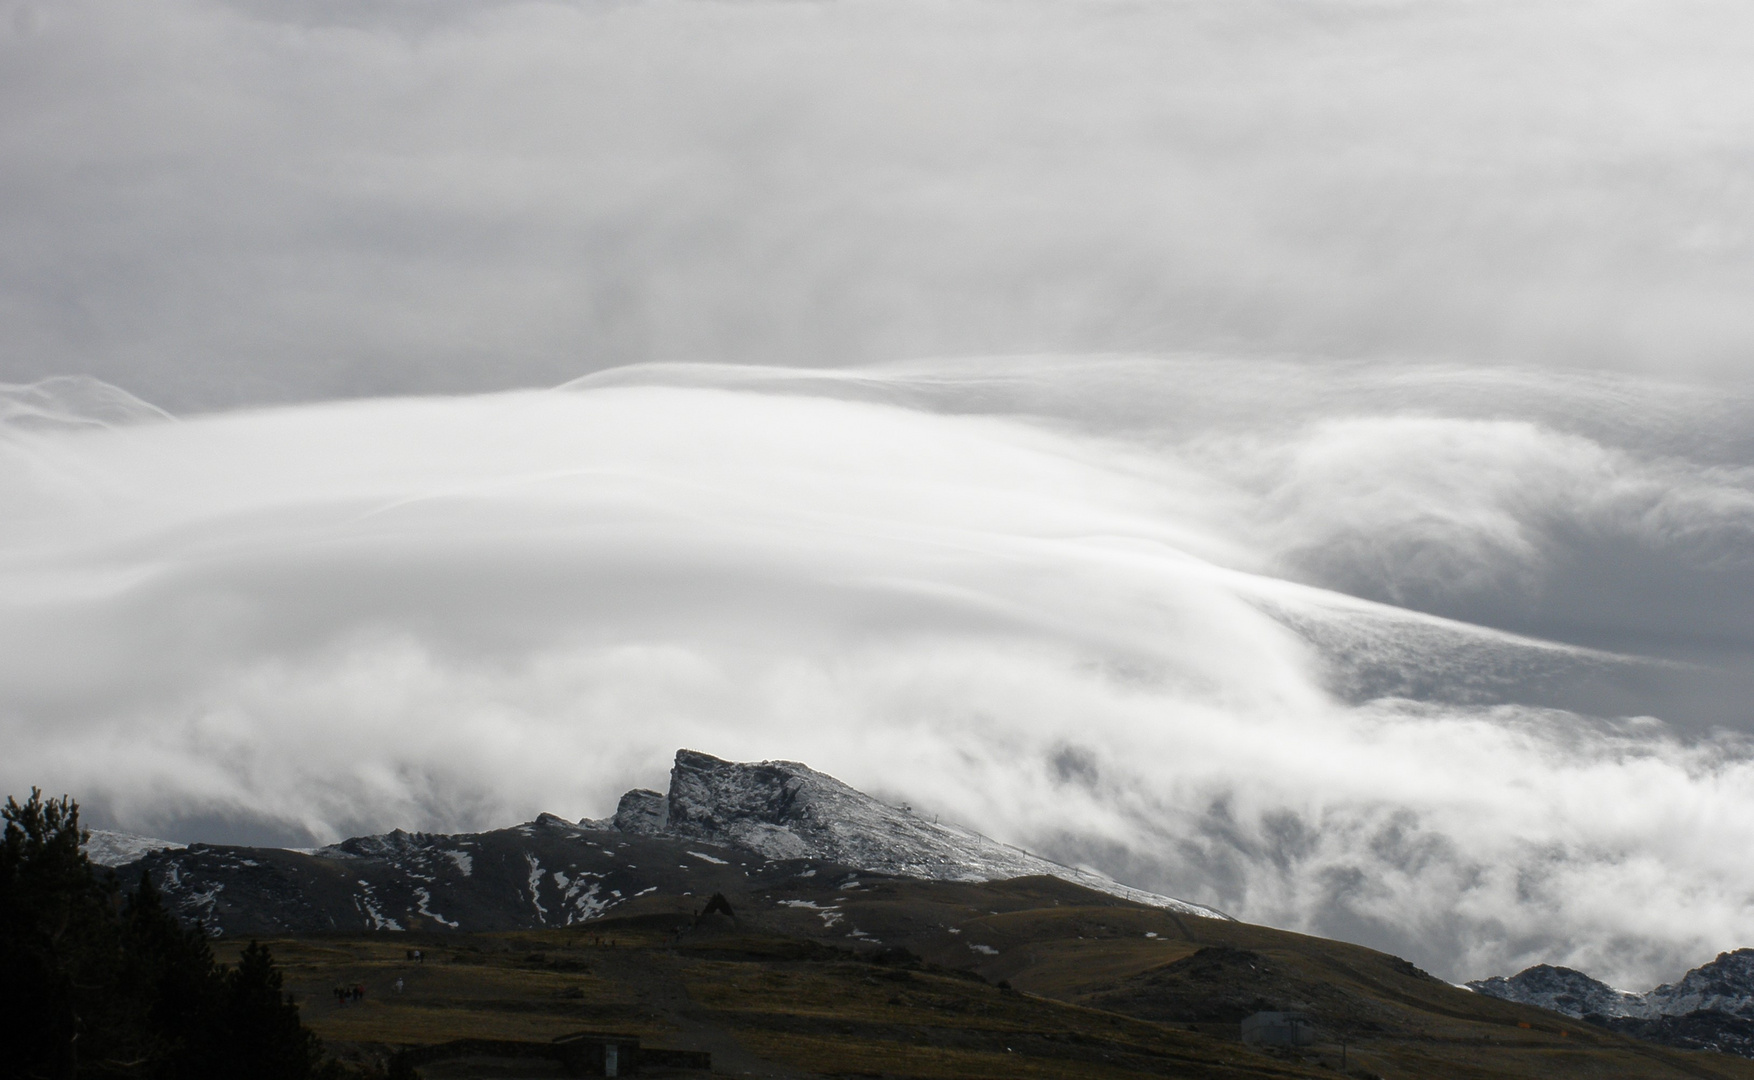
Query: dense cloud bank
[(215, 203), (1328, 648)]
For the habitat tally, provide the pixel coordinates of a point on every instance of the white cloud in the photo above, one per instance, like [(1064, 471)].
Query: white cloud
[(1341, 645), (1111, 639)]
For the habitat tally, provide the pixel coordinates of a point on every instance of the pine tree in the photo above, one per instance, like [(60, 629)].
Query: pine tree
[(92, 985), (171, 983), (58, 941), (259, 1035)]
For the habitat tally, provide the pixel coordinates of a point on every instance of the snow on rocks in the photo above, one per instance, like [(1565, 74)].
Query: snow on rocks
[(106, 848), (1563, 990), (721, 826), (785, 810), (1724, 985)]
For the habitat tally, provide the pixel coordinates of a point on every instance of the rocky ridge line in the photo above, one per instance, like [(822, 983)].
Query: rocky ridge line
[(1709, 1008), (786, 810)]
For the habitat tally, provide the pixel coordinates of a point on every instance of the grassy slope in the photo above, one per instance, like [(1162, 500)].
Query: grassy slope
[(782, 994)]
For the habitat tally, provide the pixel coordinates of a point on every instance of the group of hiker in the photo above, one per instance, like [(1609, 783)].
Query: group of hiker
[(347, 995)]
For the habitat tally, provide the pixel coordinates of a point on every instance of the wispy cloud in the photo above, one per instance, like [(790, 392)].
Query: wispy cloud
[(1207, 632)]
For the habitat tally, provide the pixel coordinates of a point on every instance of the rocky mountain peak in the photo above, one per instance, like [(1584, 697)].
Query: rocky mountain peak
[(107, 848), (1563, 990), (1725, 985), (641, 811), (394, 842), (787, 810)]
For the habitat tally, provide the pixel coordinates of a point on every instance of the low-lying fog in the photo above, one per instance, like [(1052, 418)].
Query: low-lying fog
[(1369, 652)]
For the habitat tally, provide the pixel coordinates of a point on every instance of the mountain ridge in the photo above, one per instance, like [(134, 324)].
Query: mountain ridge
[(722, 825), (1709, 1008), (787, 810)]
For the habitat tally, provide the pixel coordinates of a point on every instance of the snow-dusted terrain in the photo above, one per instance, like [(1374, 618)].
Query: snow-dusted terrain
[(784, 810), (1724, 985), (1710, 1008), (1564, 991), (723, 826), (107, 848)]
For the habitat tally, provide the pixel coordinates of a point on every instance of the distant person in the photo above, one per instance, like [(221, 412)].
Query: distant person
[(398, 986)]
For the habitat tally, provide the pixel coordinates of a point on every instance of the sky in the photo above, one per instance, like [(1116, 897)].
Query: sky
[(1295, 456)]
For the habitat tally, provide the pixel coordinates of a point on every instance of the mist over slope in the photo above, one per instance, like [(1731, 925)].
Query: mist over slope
[(1347, 656)]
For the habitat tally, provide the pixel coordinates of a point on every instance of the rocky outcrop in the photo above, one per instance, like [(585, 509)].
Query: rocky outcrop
[(1564, 991), (721, 826), (786, 810), (643, 812), (1709, 1008), (1724, 985)]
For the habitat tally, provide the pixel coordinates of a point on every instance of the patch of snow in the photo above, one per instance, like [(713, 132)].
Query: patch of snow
[(425, 898), (106, 848), (536, 873), (465, 861), (830, 914), (368, 906), (198, 904), (709, 858), (585, 905), (984, 950)]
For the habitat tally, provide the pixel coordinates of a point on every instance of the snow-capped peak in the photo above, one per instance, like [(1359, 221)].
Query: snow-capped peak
[(786, 810), (1563, 990), (106, 848), (1724, 985)]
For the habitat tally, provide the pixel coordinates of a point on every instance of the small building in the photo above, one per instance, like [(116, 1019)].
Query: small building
[(589, 1053), (1278, 1029)]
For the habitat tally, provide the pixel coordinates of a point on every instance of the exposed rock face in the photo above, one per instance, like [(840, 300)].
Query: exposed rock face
[(1564, 991), (722, 825), (785, 810), (544, 873), (641, 811), (1710, 1008), (1724, 985)]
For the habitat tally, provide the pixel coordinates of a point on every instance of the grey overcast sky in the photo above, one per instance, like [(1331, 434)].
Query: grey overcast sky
[(1293, 454), (214, 203)]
